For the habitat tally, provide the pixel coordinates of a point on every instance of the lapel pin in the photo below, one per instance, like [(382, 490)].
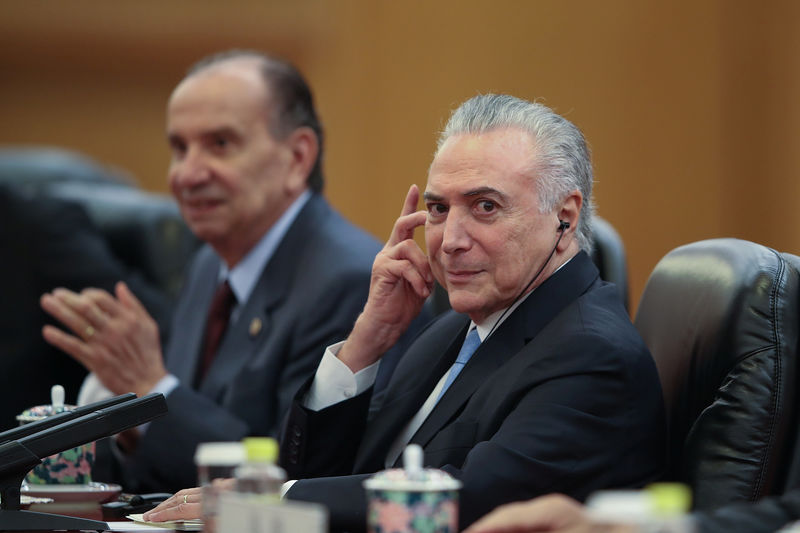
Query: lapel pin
[(255, 326)]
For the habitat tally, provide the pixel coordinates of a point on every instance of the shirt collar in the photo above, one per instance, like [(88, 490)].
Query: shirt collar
[(244, 276)]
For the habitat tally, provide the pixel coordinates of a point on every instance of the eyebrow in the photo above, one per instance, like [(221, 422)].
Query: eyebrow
[(222, 131), (225, 131), (431, 197), (484, 190)]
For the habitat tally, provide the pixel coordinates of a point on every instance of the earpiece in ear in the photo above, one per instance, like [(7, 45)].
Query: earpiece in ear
[(562, 225)]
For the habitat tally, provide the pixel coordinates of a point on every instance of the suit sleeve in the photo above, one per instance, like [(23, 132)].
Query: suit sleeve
[(306, 449), (318, 449)]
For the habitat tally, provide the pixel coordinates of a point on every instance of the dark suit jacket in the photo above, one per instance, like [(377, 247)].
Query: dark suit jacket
[(308, 297), (564, 396), (45, 243)]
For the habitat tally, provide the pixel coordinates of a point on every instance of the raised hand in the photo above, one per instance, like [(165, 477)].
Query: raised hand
[(401, 281), (113, 337)]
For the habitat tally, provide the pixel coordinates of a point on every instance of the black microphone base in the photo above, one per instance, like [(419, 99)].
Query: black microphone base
[(11, 520)]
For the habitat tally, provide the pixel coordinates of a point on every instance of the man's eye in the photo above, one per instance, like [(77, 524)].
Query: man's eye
[(178, 149), (487, 206), (437, 209), (220, 142)]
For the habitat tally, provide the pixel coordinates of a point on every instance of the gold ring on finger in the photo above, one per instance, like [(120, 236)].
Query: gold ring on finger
[(185, 498), (89, 331)]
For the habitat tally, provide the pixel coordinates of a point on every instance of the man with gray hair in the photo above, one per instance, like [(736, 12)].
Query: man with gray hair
[(536, 381)]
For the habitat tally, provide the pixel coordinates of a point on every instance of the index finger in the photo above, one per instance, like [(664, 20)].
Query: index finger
[(412, 198), (409, 219)]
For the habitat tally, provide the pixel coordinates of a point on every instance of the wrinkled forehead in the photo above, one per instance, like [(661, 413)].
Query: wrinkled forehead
[(236, 81), (219, 98), (492, 157)]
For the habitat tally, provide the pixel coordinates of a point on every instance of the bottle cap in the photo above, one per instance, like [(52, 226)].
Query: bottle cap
[(620, 506), (261, 449), (670, 499), (219, 453)]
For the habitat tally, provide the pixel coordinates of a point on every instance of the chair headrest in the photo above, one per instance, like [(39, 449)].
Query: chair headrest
[(608, 253)]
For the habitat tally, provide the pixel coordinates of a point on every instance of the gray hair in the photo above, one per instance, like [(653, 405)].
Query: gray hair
[(562, 162)]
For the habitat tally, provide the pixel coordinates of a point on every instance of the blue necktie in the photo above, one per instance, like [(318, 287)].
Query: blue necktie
[(471, 344)]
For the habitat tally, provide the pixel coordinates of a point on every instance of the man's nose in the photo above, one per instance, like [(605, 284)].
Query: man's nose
[(192, 169), (455, 235)]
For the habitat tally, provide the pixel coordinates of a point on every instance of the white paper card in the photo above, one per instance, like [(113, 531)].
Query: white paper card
[(240, 513)]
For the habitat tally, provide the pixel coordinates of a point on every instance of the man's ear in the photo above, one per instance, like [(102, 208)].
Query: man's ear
[(303, 149), (570, 211)]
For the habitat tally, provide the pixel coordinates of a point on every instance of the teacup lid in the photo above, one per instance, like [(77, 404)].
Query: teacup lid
[(43, 411), (412, 477)]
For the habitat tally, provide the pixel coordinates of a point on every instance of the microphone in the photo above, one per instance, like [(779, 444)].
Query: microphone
[(18, 456), (34, 427)]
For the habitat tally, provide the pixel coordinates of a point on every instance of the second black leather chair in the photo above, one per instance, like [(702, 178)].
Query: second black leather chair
[(721, 319)]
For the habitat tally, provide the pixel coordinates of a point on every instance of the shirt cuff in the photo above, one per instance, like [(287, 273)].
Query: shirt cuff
[(285, 487), (334, 382), (92, 390), (166, 385)]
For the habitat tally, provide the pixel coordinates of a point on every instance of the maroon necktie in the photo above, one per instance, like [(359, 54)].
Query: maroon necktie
[(217, 322)]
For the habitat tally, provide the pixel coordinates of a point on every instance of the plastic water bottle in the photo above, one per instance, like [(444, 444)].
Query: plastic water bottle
[(215, 460), (661, 508), (259, 476)]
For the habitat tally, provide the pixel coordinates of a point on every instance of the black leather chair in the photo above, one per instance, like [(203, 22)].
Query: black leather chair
[(608, 254), (70, 222), (721, 320), (144, 230), (33, 168)]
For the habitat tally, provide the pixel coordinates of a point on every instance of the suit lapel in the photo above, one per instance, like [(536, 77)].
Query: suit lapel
[(244, 336), (558, 291), (189, 330), (256, 319), (421, 367)]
